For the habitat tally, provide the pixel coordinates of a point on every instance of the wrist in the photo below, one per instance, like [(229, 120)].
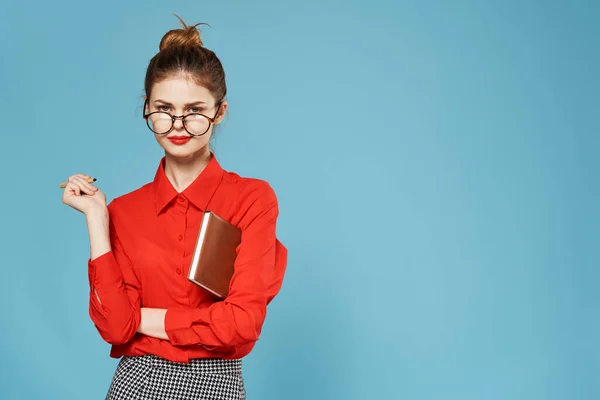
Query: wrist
[(97, 213), (98, 227)]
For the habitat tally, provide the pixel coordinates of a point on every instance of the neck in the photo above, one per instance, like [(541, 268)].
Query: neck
[(181, 172)]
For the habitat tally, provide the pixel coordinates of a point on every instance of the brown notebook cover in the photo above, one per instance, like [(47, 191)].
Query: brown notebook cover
[(214, 255)]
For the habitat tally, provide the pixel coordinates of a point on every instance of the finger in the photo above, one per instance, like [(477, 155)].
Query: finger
[(73, 188), (84, 176), (89, 184), (84, 186), (87, 178), (84, 181), (79, 186)]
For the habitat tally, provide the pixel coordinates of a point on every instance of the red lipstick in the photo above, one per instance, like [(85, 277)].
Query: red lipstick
[(179, 140)]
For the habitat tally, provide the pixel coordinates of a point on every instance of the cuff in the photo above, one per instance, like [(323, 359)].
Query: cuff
[(104, 269), (176, 321), (178, 326)]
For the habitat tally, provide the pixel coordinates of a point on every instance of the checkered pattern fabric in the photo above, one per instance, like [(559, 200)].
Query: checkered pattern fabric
[(153, 378)]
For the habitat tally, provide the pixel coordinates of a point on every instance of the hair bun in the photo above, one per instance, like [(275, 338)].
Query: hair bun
[(188, 36)]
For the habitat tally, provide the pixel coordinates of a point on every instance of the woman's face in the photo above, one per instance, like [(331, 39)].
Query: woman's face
[(179, 96)]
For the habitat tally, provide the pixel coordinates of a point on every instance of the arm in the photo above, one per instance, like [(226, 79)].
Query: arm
[(153, 323), (258, 275), (114, 288)]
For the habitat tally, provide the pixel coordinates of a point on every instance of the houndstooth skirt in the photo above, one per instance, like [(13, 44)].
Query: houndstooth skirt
[(153, 378)]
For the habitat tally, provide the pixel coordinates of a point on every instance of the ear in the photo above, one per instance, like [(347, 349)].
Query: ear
[(221, 113), (146, 107)]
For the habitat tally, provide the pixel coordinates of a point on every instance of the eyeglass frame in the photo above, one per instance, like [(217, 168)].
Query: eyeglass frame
[(211, 121)]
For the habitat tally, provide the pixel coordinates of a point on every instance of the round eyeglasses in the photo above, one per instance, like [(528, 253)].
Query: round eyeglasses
[(195, 124)]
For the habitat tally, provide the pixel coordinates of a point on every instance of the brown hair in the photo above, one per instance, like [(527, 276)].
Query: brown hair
[(182, 52)]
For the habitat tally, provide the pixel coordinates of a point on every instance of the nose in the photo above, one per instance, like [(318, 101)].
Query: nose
[(178, 124)]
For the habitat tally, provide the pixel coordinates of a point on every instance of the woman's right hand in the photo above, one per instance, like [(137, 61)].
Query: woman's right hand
[(83, 196)]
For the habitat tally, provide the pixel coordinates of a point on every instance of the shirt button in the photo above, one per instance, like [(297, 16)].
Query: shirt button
[(181, 199), (180, 237), (178, 271)]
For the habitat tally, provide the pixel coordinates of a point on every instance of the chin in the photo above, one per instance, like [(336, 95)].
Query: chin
[(179, 152), (185, 151)]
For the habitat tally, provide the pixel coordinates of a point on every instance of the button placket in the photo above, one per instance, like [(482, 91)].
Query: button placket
[(184, 204)]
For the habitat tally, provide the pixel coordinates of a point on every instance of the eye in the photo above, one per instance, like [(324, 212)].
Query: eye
[(163, 108), (196, 110)]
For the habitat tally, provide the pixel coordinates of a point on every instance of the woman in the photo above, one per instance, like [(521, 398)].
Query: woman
[(176, 340)]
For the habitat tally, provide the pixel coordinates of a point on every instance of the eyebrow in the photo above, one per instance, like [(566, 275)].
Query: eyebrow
[(185, 105)]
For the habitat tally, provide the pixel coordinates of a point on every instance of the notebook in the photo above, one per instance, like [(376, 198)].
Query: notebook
[(214, 254)]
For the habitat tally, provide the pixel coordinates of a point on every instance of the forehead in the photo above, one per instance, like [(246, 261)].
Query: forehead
[(180, 90)]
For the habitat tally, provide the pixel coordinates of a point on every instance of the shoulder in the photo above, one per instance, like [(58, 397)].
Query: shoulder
[(254, 198), (250, 189), (136, 200)]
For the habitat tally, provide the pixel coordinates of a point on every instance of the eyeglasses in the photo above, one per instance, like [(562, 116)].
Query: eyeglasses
[(195, 124)]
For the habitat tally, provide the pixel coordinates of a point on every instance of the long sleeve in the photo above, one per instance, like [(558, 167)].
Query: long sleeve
[(258, 276), (114, 292)]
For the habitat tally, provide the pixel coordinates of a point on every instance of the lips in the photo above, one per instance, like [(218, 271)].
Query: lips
[(179, 140)]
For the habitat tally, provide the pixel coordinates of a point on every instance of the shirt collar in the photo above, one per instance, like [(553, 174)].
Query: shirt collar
[(198, 192)]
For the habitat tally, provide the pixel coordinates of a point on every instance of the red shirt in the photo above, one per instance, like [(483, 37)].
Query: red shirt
[(153, 234)]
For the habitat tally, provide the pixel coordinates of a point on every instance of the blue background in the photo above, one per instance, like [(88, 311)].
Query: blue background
[(437, 169)]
